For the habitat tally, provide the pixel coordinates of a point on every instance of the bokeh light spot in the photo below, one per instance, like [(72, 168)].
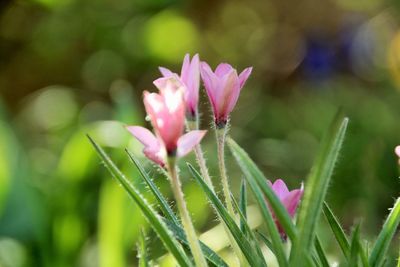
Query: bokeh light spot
[(54, 107), (102, 68), (168, 36)]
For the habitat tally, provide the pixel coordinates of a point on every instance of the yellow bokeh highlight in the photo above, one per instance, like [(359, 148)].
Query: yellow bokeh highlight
[(394, 59), (169, 35)]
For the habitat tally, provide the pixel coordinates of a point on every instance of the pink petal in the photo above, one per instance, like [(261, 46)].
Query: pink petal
[(187, 141), (185, 66), (292, 200), (231, 92), (172, 82), (165, 72), (244, 76), (144, 136), (152, 148), (223, 69), (397, 151), (191, 78), (280, 189), (210, 83)]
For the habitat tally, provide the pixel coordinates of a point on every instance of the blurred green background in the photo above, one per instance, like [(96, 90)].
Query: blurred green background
[(70, 67)]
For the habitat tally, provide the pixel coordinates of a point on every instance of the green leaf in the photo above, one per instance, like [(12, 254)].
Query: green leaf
[(247, 231), (266, 241), (321, 253), (316, 187), (142, 250), (337, 230), (272, 228), (381, 246), (154, 219), (210, 255), (240, 238), (243, 205), (354, 247), (363, 254), (166, 209), (254, 176), (171, 220)]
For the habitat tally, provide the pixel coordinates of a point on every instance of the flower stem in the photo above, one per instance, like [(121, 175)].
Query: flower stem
[(201, 161), (194, 125), (221, 134), (193, 241)]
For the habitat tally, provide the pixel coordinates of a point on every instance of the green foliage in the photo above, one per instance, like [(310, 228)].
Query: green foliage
[(385, 237), (316, 187), (250, 241), (154, 219)]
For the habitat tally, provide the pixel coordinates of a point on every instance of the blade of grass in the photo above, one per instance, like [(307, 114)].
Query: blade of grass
[(316, 187), (240, 238), (321, 253), (153, 218), (354, 248), (142, 250), (363, 254), (276, 239), (171, 220), (166, 209), (210, 255), (266, 241), (254, 176), (243, 205), (337, 230), (247, 230), (385, 236)]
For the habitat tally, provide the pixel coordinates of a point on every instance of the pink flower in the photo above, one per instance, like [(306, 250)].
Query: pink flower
[(190, 77), (223, 88), (166, 111), (289, 199), (397, 151)]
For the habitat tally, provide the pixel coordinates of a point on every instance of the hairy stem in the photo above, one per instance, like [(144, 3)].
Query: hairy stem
[(194, 244), (201, 161), (221, 134)]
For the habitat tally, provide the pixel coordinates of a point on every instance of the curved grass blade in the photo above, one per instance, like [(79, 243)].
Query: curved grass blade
[(316, 187), (243, 205), (354, 247), (337, 230), (166, 209), (321, 253), (142, 250), (266, 241), (385, 236), (254, 176), (240, 238), (276, 239), (363, 254), (210, 255), (171, 219), (247, 230), (154, 219)]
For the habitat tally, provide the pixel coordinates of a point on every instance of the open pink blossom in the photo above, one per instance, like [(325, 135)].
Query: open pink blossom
[(223, 88), (289, 199), (397, 151), (190, 77), (166, 111)]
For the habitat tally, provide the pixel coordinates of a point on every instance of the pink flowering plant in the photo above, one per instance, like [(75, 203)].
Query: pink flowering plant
[(288, 235)]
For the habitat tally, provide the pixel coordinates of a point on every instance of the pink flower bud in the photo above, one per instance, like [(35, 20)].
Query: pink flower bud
[(223, 88), (166, 111), (397, 151), (190, 78), (289, 199)]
